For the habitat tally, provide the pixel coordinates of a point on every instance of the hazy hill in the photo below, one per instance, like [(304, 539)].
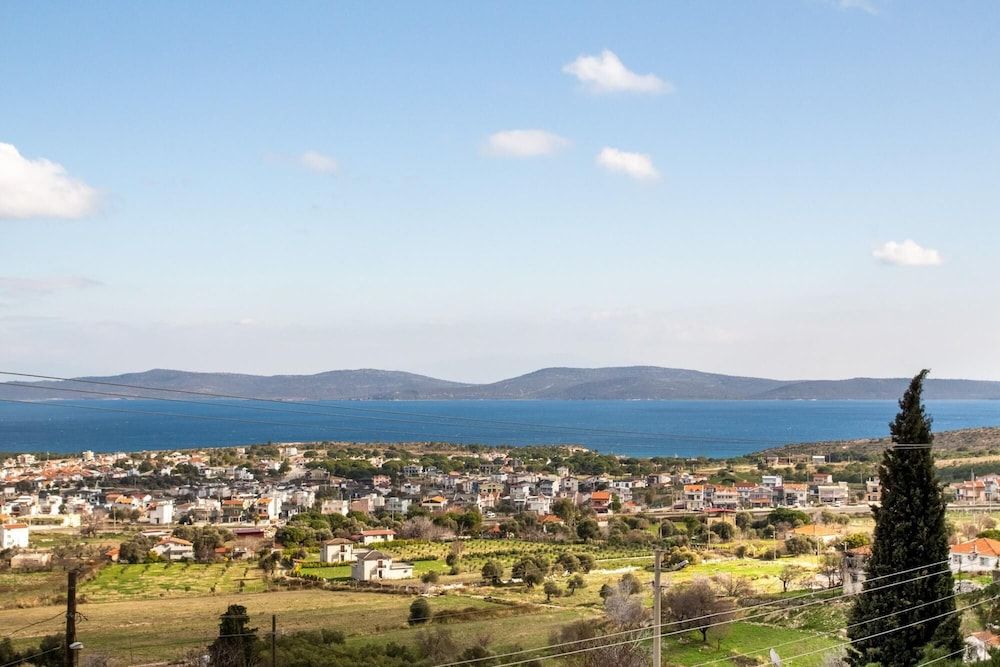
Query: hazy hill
[(331, 385), (633, 382)]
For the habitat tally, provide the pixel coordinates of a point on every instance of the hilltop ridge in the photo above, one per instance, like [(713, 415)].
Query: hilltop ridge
[(612, 383)]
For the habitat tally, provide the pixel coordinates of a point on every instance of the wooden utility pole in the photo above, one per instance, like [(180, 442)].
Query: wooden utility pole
[(657, 611), (274, 640), (69, 657)]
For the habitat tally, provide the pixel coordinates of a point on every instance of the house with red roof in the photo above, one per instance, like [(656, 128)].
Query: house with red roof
[(979, 555)]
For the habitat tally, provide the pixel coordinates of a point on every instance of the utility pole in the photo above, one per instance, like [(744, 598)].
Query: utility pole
[(274, 640), (69, 658), (657, 611)]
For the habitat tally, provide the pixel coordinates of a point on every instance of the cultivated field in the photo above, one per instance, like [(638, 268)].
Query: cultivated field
[(139, 631), (159, 580)]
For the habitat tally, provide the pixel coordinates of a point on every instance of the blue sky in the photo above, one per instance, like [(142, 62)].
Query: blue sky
[(293, 188)]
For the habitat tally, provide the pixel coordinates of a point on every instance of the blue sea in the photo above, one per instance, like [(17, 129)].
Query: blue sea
[(638, 428)]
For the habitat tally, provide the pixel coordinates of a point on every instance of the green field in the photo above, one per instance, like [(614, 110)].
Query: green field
[(30, 589), (747, 638), (475, 553), (158, 580), (147, 630)]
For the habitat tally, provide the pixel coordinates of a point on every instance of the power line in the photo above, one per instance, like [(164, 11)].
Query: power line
[(891, 630), (478, 420), (712, 615), (32, 657), (944, 657), (847, 627), (31, 625), (784, 660)]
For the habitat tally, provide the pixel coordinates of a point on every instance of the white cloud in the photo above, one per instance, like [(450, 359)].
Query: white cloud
[(864, 5), (907, 253), (15, 286), (637, 165), (246, 322), (40, 189), (318, 162), (525, 143), (607, 74)]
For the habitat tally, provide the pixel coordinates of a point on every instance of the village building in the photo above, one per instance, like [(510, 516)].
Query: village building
[(979, 555), (14, 536), (374, 566), (367, 537), (980, 645), (173, 548), (694, 497), (337, 550), (795, 495), (873, 490), (161, 512)]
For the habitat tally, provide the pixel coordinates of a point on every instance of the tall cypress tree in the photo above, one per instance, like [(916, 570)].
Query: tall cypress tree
[(910, 532)]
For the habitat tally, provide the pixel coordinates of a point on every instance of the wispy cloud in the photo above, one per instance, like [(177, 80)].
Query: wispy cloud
[(18, 286), (40, 189), (605, 73), (318, 162), (907, 253), (636, 165), (525, 143), (867, 6)]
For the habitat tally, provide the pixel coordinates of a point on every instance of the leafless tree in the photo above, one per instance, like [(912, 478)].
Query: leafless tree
[(696, 606)]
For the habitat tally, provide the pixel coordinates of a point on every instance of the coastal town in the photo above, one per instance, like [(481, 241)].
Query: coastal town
[(258, 494), (471, 538)]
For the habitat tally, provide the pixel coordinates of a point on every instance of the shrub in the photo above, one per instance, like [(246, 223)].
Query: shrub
[(420, 611)]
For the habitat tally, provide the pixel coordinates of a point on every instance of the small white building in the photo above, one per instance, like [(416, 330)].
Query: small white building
[(173, 548), (161, 512), (14, 536), (374, 565), (377, 535), (337, 550)]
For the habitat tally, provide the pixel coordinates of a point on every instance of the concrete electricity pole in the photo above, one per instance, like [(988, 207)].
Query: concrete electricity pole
[(657, 611), (69, 658)]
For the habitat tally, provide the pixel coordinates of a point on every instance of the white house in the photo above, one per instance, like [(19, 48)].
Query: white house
[(161, 512), (377, 535), (771, 481), (978, 555), (14, 535), (694, 497), (337, 550), (374, 565), (266, 508), (979, 645), (173, 548)]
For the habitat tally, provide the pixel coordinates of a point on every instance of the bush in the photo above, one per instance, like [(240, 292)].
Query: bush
[(420, 612), (799, 545)]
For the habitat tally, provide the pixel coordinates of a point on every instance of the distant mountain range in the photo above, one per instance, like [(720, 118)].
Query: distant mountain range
[(624, 383)]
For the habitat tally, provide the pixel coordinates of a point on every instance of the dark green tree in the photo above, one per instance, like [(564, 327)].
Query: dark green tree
[(420, 612), (587, 530), (911, 539), (236, 645), (492, 572)]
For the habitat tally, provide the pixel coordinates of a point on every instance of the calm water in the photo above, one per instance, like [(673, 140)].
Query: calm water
[(685, 428)]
